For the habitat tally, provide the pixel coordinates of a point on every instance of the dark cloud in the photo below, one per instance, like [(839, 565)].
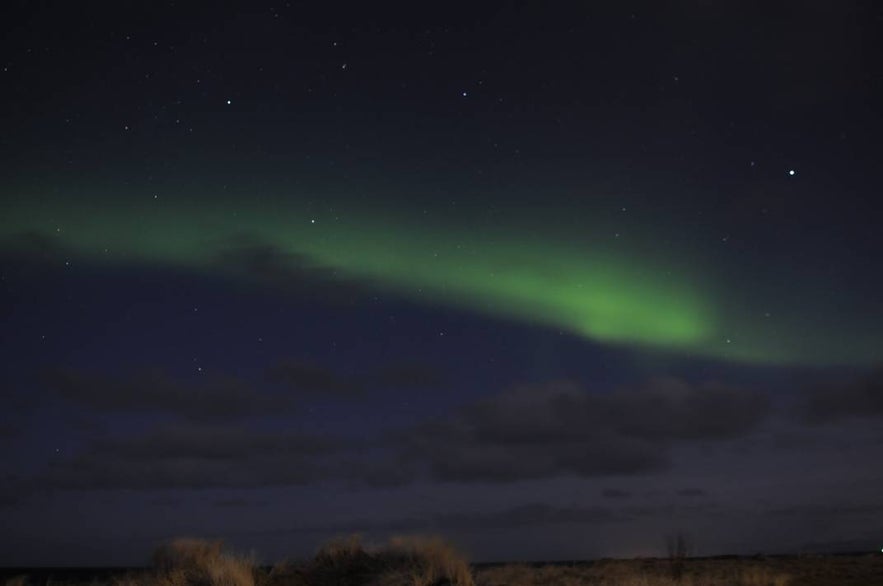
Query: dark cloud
[(227, 397), (559, 429), (14, 489), (308, 378), (449, 455), (670, 408), (9, 431), (530, 514), (16, 400), (270, 266), (210, 442), (691, 492), (197, 456), (405, 375), (153, 391), (531, 432), (520, 516), (32, 247), (829, 510), (870, 543), (167, 502), (615, 493), (858, 398), (232, 503)]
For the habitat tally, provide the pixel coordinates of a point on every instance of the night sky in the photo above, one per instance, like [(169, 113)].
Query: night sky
[(553, 280)]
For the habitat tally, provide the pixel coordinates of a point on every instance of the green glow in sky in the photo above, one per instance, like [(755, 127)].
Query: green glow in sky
[(619, 296)]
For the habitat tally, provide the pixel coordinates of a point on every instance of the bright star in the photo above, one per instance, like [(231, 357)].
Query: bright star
[(792, 172), (229, 102)]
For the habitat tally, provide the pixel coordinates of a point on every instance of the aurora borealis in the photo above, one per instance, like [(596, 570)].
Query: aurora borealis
[(550, 280), (634, 298)]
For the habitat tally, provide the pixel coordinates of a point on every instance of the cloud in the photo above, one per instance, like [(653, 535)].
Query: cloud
[(530, 432), (858, 398), (673, 409), (830, 510), (188, 455), (228, 397), (210, 442), (153, 391), (516, 517), (307, 378), (32, 247), (167, 502), (267, 264), (9, 431), (310, 378), (559, 429), (530, 514), (231, 503), (14, 489), (615, 493), (522, 516), (691, 492), (405, 375)]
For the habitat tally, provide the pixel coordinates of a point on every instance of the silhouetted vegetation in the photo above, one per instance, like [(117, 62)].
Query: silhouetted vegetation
[(430, 561)]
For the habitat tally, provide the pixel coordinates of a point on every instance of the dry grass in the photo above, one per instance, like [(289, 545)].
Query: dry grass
[(284, 574), (632, 573), (430, 561), (404, 561), (196, 562)]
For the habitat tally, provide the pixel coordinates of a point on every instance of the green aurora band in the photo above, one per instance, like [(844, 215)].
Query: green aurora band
[(631, 299)]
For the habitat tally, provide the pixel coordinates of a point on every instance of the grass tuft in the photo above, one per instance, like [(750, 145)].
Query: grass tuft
[(404, 561), (197, 562)]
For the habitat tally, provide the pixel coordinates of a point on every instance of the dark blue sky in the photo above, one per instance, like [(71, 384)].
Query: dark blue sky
[(274, 394)]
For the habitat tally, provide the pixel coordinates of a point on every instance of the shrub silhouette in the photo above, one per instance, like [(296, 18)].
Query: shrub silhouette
[(197, 562), (404, 561)]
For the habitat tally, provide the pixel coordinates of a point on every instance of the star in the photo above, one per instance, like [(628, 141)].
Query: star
[(792, 172), (229, 102)]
